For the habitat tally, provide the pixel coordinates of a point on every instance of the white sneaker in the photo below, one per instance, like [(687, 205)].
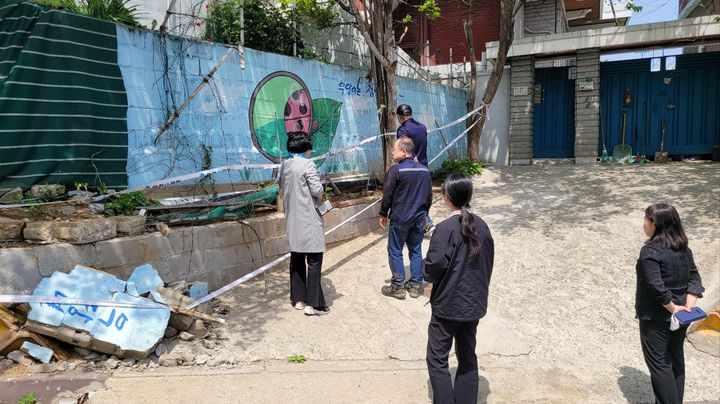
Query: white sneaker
[(299, 306), (311, 311)]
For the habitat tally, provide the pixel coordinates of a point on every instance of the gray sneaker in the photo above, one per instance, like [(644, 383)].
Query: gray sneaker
[(415, 290), (393, 290)]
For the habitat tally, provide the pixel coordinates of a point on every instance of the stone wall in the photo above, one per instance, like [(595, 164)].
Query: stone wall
[(521, 110), (587, 106), (217, 253)]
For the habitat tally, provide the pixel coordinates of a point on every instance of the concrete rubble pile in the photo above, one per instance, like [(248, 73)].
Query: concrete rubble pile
[(127, 333)]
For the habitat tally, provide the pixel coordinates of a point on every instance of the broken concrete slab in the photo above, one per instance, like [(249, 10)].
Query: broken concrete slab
[(20, 357), (11, 229), (176, 299), (145, 279), (125, 332), (198, 290), (38, 352), (75, 232)]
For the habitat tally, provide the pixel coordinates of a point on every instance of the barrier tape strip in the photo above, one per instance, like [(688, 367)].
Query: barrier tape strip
[(77, 301), (238, 167), (218, 292)]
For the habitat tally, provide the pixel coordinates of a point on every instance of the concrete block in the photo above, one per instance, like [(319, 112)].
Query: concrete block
[(217, 235), (275, 246), (38, 232), (63, 257), (47, 190), (19, 272), (11, 229), (38, 352), (198, 290), (181, 266), (130, 225), (145, 278), (76, 232), (181, 239), (132, 251), (20, 357), (85, 231)]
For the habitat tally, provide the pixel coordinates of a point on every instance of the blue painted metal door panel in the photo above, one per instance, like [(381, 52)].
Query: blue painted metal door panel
[(554, 114), (685, 100)]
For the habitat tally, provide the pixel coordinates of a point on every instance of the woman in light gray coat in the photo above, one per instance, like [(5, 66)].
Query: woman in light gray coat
[(302, 192)]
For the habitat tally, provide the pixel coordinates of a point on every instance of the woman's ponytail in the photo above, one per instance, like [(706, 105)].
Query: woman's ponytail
[(458, 189), (467, 229)]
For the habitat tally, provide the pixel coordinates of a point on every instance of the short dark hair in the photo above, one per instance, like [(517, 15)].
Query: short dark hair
[(298, 142), (668, 227), (404, 110)]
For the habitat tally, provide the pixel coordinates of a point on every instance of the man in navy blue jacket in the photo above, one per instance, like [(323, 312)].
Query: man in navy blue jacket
[(413, 129), (407, 196), (416, 131)]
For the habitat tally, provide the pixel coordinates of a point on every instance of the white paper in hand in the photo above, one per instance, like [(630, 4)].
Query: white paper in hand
[(674, 323)]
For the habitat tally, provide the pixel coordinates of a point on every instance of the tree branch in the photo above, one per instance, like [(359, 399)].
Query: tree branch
[(365, 32)]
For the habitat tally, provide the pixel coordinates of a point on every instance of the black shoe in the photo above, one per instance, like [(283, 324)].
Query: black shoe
[(393, 290), (415, 290)]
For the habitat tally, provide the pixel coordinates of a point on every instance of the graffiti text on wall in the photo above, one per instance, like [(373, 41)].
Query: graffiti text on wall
[(359, 88)]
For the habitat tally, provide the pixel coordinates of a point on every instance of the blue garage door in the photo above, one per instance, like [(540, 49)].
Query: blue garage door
[(684, 100), (553, 114)]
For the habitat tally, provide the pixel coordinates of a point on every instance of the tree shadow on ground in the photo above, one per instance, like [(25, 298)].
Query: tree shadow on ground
[(540, 196), (252, 305), (483, 387), (635, 385)]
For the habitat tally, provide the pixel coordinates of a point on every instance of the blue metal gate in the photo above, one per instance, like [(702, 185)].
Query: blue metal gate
[(553, 114), (685, 101)]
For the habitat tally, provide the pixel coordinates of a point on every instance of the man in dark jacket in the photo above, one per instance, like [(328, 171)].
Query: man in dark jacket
[(413, 129), (417, 132), (407, 196)]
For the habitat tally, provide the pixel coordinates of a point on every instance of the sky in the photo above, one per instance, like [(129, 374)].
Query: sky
[(655, 11)]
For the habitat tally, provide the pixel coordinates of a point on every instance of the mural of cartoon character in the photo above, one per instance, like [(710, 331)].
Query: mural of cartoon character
[(282, 103), (298, 112)]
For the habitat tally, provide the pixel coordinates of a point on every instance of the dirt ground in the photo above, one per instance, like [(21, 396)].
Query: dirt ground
[(560, 326)]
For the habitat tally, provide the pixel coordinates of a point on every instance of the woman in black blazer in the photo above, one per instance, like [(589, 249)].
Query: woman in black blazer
[(459, 264), (667, 282)]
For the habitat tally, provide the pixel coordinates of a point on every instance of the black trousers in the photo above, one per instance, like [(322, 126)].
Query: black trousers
[(665, 358), (305, 280), (440, 338)]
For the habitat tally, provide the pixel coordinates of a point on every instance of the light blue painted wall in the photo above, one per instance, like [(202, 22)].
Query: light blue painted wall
[(218, 116)]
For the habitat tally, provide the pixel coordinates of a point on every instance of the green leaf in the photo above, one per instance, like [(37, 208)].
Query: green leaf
[(407, 19), (326, 112), (430, 8)]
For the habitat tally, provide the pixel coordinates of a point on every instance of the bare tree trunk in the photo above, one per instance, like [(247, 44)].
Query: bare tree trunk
[(390, 78), (473, 136), (508, 10), (379, 34)]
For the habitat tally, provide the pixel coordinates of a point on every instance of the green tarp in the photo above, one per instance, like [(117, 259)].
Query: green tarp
[(63, 107)]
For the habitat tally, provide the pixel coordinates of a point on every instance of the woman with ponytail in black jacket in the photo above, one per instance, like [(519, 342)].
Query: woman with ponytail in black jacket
[(459, 264)]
